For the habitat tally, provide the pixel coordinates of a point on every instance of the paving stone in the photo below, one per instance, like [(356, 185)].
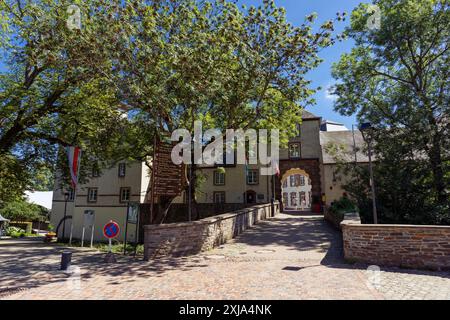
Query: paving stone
[(288, 257)]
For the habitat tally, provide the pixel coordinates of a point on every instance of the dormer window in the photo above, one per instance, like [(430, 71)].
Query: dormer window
[(299, 129), (122, 170)]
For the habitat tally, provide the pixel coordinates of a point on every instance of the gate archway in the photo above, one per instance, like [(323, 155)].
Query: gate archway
[(296, 190)]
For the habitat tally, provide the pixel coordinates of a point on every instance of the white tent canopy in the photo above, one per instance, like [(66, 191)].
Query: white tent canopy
[(42, 198)]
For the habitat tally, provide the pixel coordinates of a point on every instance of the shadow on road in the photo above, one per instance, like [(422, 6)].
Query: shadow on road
[(26, 264)]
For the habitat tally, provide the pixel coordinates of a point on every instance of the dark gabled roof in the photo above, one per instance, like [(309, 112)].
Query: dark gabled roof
[(332, 122), (344, 139), (308, 115)]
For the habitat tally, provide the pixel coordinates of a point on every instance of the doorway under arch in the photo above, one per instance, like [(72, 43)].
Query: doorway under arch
[(296, 190)]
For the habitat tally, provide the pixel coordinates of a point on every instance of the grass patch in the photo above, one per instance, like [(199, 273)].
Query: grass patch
[(16, 232), (116, 247)]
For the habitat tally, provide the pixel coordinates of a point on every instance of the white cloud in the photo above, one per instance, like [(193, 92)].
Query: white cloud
[(328, 93)]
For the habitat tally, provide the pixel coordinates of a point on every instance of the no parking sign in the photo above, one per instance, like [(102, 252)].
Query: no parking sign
[(111, 229)]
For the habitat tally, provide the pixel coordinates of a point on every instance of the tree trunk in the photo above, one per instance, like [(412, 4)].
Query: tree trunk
[(8, 140), (164, 205), (435, 156), (193, 191)]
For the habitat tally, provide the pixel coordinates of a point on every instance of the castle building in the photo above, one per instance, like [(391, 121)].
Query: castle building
[(308, 180)]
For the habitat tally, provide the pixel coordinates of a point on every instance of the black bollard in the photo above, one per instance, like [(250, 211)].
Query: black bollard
[(66, 258)]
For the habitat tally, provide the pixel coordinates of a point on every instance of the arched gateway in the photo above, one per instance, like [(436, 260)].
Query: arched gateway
[(310, 170), (296, 190)]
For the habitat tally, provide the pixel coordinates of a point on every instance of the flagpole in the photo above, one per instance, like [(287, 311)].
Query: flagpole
[(273, 188), (245, 181), (74, 167), (73, 214), (277, 172)]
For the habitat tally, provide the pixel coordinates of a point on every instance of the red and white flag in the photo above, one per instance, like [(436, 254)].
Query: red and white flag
[(74, 155), (277, 168)]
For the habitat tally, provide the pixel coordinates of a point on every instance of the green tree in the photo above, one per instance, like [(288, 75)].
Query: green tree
[(396, 77), (20, 210), (57, 88), (183, 61), (167, 63), (227, 66)]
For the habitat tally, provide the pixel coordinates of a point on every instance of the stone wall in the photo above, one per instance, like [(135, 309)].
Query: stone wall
[(180, 239), (336, 219), (409, 246), (333, 219)]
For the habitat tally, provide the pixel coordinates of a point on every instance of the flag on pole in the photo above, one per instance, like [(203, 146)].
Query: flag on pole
[(277, 168), (246, 167), (74, 156), (245, 179)]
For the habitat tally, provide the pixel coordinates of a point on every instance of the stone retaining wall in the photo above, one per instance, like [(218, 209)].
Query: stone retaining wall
[(332, 218), (179, 239), (409, 246)]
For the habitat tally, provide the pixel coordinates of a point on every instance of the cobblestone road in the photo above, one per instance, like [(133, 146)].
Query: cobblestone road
[(288, 257)]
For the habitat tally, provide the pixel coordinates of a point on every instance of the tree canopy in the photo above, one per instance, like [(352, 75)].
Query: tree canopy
[(20, 210), (57, 88), (230, 67), (397, 78), (162, 63)]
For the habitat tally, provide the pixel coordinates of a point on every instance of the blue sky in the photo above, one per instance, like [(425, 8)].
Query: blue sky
[(296, 10), (326, 9)]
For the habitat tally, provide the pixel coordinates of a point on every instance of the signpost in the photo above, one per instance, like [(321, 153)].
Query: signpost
[(167, 178), (88, 222), (110, 231), (133, 214)]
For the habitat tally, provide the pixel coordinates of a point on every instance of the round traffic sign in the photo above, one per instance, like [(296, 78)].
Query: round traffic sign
[(111, 229)]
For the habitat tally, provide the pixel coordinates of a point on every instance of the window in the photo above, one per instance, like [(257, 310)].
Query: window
[(297, 180), (252, 177), (299, 129), (125, 194), (122, 169), (92, 194), (302, 180), (285, 183), (95, 173), (219, 178), (292, 181), (285, 199), (294, 150), (219, 197), (302, 197), (71, 193), (294, 199)]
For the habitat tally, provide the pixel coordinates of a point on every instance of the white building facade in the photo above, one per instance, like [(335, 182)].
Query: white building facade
[(308, 181)]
